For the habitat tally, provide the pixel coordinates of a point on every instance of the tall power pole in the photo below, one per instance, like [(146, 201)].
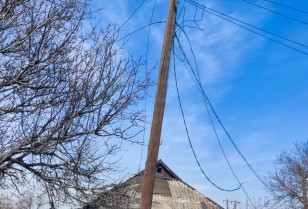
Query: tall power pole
[(235, 203), (227, 203), (159, 106)]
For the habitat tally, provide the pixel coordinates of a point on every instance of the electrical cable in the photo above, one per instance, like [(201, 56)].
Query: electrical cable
[(197, 84), (286, 6), (146, 73), (211, 120), (136, 10), (218, 119), (182, 14), (278, 42), (260, 29), (224, 153), (158, 22), (188, 136), (283, 44), (278, 13), (232, 141)]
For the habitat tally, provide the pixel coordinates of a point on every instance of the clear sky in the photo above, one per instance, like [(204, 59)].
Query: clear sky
[(258, 88)]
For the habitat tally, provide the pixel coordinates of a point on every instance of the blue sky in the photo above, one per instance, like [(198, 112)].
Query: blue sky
[(258, 88)]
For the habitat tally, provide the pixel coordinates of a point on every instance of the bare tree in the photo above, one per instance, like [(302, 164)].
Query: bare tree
[(122, 196), (68, 97), (5, 204), (289, 183), (263, 203), (27, 201)]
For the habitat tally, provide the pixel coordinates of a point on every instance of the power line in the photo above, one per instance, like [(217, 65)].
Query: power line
[(218, 119), (265, 31), (278, 13), (278, 42), (286, 6), (142, 27), (188, 136), (146, 74), (224, 153), (198, 83), (136, 10), (246, 28), (182, 14)]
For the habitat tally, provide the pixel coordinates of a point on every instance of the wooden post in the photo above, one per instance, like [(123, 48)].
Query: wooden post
[(236, 203), (150, 167), (227, 203)]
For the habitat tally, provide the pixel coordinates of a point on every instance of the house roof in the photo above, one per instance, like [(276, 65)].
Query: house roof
[(170, 192), (170, 189)]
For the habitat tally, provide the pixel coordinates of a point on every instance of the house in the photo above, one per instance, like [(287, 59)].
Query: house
[(170, 192)]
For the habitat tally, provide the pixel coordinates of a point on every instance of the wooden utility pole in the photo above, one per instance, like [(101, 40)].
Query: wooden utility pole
[(150, 167), (247, 204), (227, 202), (235, 203)]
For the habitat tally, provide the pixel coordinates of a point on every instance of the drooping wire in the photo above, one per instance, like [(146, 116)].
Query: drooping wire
[(146, 73), (286, 6), (229, 19), (182, 112), (206, 104), (278, 13), (188, 136), (195, 78), (199, 83), (224, 153), (134, 12)]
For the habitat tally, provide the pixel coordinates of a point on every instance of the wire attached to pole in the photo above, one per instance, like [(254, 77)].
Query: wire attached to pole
[(188, 136)]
